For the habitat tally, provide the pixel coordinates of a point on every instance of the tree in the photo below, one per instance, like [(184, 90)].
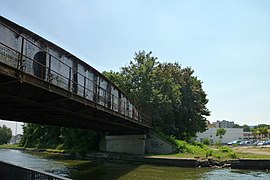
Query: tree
[(170, 94), (221, 132), (45, 136), (246, 128), (5, 134)]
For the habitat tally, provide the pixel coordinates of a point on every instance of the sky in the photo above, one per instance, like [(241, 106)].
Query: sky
[(226, 42)]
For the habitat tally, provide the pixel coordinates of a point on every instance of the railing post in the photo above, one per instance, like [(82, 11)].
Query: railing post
[(19, 65), (69, 79), (112, 97), (105, 98), (49, 69), (84, 84)]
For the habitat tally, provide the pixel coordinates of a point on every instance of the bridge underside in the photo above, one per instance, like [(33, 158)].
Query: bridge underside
[(26, 98)]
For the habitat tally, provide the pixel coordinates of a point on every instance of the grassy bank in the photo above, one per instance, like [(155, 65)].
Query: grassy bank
[(16, 146), (222, 153), (189, 150)]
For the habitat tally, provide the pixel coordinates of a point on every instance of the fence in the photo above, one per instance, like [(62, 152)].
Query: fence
[(12, 172)]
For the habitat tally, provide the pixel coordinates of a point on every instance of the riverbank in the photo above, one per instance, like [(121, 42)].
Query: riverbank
[(247, 158)]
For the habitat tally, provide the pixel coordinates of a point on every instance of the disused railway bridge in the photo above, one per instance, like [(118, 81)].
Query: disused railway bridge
[(43, 83)]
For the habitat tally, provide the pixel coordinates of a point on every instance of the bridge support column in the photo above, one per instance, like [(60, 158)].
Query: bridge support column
[(131, 144), (149, 143)]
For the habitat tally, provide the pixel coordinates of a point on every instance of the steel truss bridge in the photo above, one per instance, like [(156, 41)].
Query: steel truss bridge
[(42, 83)]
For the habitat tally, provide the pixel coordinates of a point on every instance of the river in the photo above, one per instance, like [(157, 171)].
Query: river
[(82, 169)]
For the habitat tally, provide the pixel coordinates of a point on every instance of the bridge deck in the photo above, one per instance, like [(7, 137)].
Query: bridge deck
[(42, 83)]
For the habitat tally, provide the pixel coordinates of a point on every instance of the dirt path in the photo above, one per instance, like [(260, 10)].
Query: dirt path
[(254, 150)]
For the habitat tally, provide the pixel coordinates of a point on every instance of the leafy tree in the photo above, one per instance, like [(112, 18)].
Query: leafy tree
[(246, 128), (263, 131), (221, 132), (44, 136), (237, 126), (5, 134), (170, 94), (255, 132)]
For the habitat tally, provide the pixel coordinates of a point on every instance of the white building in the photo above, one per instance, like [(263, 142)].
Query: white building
[(230, 135)]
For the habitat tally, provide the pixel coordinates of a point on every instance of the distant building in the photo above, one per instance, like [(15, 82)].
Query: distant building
[(248, 135), (224, 124), (230, 135), (15, 139), (209, 125)]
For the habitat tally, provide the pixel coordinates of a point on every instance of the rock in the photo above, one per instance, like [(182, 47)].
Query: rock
[(213, 162), (204, 163)]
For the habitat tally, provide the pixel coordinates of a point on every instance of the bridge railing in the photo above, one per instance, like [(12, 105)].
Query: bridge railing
[(12, 172), (43, 66)]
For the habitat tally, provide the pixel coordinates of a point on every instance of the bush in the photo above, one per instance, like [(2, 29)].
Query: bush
[(233, 155), (218, 143), (218, 156), (225, 149), (209, 152), (206, 141)]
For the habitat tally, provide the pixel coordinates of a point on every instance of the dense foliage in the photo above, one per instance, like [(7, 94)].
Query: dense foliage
[(171, 95), (261, 131), (44, 136), (5, 134)]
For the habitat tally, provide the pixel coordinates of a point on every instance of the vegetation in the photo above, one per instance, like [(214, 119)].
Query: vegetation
[(261, 131), (59, 138), (170, 94), (5, 134), (206, 141)]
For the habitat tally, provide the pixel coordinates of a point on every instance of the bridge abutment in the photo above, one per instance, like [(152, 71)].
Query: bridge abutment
[(149, 143)]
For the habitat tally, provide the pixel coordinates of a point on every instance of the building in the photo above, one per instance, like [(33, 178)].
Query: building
[(230, 135), (223, 124)]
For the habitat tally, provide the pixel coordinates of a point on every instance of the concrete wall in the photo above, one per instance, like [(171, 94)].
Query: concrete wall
[(130, 144), (230, 135), (137, 144), (157, 145)]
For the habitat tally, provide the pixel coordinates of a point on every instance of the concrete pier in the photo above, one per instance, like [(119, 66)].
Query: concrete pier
[(149, 143)]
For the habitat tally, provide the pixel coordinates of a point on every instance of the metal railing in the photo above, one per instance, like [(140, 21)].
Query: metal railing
[(69, 78), (13, 172)]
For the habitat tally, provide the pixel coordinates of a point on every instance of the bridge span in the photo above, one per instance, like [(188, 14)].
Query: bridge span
[(42, 83)]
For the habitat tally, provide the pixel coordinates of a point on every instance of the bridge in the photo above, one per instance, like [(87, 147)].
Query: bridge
[(42, 83)]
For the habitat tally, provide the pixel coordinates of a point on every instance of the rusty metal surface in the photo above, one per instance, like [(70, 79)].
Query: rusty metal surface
[(30, 91)]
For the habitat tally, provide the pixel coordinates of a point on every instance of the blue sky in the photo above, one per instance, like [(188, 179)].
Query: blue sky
[(226, 42)]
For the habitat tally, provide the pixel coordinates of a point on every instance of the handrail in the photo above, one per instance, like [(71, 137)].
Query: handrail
[(96, 94), (10, 171)]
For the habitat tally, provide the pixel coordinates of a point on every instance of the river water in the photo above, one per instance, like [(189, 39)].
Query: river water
[(85, 170)]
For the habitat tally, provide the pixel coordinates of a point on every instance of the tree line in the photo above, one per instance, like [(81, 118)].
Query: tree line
[(5, 134)]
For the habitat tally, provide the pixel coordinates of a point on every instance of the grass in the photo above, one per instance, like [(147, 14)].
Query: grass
[(11, 146), (222, 153)]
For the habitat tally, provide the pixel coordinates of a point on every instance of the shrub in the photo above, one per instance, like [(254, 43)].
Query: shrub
[(225, 149), (218, 143), (218, 156), (206, 141), (209, 152), (233, 155)]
